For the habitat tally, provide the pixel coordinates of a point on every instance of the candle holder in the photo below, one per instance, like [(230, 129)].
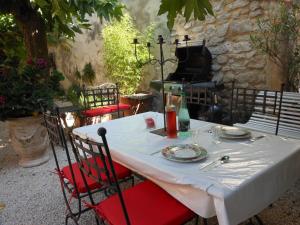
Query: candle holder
[(161, 61)]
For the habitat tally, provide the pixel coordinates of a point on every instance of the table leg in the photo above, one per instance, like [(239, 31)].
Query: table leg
[(2, 206)]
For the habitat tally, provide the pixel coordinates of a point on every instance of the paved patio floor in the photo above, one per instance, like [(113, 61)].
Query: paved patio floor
[(33, 197)]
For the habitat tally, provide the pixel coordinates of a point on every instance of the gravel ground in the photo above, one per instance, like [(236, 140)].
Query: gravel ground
[(33, 197)]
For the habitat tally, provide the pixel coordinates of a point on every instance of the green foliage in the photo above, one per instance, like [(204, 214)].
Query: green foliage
[(12, 49), (61, 18), (278, 37), (23, 93), (121, 64), (88, 74), (74, 95), (69, 17), (198, 8)]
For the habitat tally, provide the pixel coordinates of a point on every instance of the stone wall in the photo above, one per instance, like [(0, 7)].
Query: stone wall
[(228, 39), (86, 47)]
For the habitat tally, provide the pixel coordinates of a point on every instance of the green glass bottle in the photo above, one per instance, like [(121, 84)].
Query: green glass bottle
[(183, 116)]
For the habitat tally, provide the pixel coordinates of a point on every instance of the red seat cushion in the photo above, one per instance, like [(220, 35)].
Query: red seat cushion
[(146, 204), (120, 170), (97, 111), (105, 110), (122, 106)]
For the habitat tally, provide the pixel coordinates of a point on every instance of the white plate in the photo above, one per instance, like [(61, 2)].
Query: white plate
[(184, 153), (228, 132), (234, 131)]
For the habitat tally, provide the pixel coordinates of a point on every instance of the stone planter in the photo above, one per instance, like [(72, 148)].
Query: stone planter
[(30, 140), (140, 102)]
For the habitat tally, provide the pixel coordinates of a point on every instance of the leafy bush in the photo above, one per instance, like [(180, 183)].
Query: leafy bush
[(74, 95), (23, 93), (121, 64), (12, 49)]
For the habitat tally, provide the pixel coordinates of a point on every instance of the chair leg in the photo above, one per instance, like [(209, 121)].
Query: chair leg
[(250, 222), (106, 193), (73, 218), (260, 222), (97, 221), (67, 219), (197, 220), (253, 219), (132, 181)]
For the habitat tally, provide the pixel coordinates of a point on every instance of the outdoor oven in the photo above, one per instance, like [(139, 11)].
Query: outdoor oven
[(193, 72)]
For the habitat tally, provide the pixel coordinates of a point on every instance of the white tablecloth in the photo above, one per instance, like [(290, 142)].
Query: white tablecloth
[(257, 174)]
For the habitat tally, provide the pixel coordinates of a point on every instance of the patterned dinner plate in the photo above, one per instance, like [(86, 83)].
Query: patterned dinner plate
[(184, 153)]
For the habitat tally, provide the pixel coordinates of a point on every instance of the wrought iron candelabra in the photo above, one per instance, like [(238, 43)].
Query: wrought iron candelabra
[(161, 61)]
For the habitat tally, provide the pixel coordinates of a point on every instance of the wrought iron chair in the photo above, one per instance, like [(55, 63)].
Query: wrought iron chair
[(72, 182), (256, 109), (203, 104), (102, 100), (144, 203)]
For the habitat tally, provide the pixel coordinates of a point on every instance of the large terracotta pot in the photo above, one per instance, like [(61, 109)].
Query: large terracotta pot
[(30, 140)]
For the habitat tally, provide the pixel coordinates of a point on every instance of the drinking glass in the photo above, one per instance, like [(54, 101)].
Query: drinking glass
[(150, 121), (216, 135), (196, 136)]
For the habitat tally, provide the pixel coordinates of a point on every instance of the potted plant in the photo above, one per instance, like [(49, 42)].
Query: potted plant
[(22, 92)]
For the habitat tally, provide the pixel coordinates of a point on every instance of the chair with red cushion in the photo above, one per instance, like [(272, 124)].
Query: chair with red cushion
[(72, 183), (101, 100), (143, 204)]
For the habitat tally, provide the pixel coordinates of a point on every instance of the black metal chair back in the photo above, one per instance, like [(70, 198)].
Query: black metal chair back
[(84, 149), (202, 103), (103, 95), (56, 134), (259, 104)]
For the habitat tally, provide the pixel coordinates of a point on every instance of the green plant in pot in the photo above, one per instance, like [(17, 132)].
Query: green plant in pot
[(22, 92)]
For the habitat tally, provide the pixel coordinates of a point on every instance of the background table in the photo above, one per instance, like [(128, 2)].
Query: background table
[(257, 174)]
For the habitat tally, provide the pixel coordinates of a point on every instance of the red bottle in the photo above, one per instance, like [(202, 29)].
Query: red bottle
[(171, 118)]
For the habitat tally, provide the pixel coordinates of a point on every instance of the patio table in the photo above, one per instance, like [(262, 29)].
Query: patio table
[(257, 174)]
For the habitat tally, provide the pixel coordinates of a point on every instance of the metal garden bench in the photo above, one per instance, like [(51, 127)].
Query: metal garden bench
[(289, 120), (274, 112)]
